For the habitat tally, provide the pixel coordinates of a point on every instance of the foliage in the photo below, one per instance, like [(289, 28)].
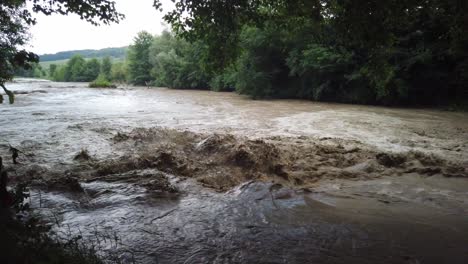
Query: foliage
[(382, 52), (260, 67), (119, 72), (101, 82), (139, 66), (92, 68), (389, 52), (176, 63), (106, 67), (216, 22), (225, 81), (35, 71), (52, 69), (15, 19), (77, 69), (59, 75)]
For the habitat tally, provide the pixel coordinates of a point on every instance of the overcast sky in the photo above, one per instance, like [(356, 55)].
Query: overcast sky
[(60, 33)]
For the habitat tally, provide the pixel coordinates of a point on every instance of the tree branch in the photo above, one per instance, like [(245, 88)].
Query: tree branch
[(11, 96)]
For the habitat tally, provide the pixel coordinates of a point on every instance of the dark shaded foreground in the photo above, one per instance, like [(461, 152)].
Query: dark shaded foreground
[(376, 221)]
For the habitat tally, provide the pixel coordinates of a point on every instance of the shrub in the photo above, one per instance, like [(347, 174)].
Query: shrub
[(101, 82)]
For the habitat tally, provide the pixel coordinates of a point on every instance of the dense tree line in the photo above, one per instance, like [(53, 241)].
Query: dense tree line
[(379, 52), (167, 61), (34, 71), (78, 69), (375, 52)]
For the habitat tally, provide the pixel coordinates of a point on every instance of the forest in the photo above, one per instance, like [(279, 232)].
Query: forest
[(393, 53)]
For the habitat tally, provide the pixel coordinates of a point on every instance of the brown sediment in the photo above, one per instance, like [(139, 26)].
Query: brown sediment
[(222, 161)]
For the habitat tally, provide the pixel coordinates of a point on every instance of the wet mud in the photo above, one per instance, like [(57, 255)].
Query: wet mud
[(201, 177)]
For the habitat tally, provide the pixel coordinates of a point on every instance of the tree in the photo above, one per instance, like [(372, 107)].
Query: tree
[(13, 23), (219, 23), (106, 67), (139, 66), (177, 63), (15, 19), (385, 52), (119, 72), (59, 75), (92, 69), (52, 69), (75, 69)]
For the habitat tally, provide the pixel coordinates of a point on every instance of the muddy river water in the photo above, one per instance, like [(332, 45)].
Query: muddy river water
[(408, 218)]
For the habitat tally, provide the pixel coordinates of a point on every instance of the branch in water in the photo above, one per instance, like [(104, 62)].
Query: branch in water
[(11, 96)]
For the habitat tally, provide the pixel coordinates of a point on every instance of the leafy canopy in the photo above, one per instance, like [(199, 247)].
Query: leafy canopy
[(386, 52), (138, 59), (15, 19)]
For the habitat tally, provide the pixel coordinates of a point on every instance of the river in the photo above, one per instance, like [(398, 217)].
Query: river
[(406, 218)]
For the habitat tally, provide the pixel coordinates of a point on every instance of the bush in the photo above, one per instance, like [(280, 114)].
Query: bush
[(101, 82)]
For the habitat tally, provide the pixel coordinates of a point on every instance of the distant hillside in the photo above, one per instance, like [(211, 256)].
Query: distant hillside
[(118, 53)]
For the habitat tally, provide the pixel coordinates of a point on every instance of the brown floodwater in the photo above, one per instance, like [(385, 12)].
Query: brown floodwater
[(407, 219), (67, 115)]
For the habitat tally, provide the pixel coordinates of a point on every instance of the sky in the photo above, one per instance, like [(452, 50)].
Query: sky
[(57, 33)]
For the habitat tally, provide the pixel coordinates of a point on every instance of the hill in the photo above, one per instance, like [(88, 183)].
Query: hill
[(116, 53)]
